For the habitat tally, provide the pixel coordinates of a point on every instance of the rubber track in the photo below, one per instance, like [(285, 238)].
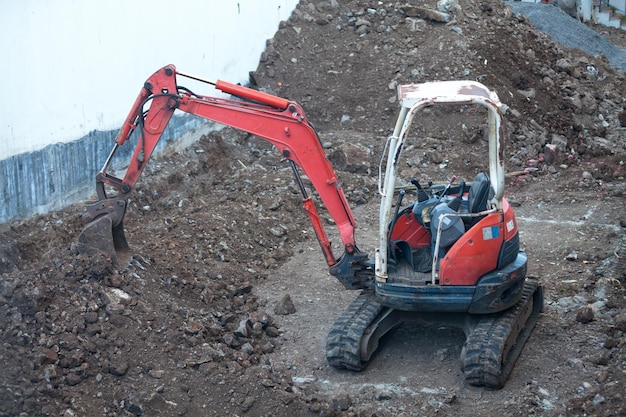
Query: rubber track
[(484, 364), (343, 344)]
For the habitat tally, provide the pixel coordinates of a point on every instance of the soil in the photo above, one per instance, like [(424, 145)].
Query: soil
[(187, 323)]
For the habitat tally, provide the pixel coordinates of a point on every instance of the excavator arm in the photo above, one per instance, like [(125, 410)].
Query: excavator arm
[(279, 121)]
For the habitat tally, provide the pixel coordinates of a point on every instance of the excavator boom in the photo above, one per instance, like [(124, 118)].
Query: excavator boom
[(279, 121)]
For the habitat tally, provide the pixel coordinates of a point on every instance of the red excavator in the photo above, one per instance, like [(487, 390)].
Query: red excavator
[(451, 256)]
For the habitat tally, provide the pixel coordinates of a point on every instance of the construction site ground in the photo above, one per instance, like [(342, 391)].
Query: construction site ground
[(191, 322)]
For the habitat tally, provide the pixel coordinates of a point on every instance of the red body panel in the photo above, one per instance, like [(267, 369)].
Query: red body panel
[(510, 224), (409, 230), (474, 254)]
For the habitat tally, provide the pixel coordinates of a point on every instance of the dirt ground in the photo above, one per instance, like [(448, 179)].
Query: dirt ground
[(187, 325)]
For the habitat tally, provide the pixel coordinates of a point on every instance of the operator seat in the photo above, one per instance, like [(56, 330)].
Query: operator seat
[(479, 194)]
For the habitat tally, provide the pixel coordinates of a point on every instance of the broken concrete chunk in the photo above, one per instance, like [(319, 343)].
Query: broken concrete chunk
[(285, 306), (435, 15), (585, 314)]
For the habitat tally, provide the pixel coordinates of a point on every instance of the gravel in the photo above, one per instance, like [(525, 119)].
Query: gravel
[(570, 32)]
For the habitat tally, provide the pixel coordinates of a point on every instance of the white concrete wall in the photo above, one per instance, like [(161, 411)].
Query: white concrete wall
[(584, 9), (73, 66)]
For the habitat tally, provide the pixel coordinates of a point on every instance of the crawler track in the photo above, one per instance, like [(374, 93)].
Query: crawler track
[(494, 341), (494, 345), (343, 345)]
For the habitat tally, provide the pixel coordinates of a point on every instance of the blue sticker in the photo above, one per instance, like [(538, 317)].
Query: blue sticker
[(492, 232)]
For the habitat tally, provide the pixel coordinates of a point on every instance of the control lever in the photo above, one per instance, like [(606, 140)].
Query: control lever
[(443, 193), (456, 203), (421, 193)]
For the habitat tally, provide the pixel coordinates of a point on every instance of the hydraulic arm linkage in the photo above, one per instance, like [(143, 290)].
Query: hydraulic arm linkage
[(279, 121)]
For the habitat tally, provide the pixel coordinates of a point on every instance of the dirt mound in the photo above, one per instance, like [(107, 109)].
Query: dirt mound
[(218, 235)]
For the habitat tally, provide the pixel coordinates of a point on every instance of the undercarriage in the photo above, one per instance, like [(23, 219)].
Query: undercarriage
[(493, 341)]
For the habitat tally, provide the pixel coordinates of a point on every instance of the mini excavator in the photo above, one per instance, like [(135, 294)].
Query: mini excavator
[(451, 256)]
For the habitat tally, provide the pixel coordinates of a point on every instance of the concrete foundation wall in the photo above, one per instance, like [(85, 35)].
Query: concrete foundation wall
[(61, 174)]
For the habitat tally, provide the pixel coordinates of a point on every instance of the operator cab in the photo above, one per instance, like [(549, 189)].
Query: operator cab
[(450, 210), (457, 242)]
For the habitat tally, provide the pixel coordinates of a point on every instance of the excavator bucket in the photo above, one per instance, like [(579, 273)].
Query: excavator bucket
[(100, 236)]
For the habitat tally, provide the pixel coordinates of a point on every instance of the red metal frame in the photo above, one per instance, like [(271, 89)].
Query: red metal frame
[(279, 121)]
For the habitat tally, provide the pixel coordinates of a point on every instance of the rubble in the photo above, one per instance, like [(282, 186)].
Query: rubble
[(181, 329)]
